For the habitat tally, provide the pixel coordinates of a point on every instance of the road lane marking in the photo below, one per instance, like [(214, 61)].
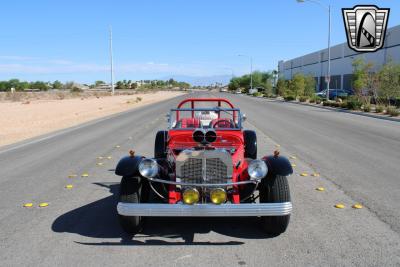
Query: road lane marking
[(43, 204), (320, 189), (85, 174), (339, 206), (28, 205), (357, 206), (69, 186)]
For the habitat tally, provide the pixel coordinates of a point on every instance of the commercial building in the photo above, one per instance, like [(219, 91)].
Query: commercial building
[(316, 64)]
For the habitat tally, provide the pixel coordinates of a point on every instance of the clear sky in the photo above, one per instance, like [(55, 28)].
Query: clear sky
[(68, 40)]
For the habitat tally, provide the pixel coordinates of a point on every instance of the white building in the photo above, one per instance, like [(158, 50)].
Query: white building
[(342, 56)]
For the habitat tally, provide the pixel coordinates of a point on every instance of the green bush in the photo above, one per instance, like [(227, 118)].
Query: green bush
[(256, 94), (353, 103), (289, 98), (366, 108), (303, 98), (379, 109), (343, 104), (393, 112), (318, 101)]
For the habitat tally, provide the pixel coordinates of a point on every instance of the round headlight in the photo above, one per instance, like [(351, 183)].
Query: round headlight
[(148, 168), (257, 169)]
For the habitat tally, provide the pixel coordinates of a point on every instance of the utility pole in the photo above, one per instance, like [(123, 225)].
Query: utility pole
[(111, 63)]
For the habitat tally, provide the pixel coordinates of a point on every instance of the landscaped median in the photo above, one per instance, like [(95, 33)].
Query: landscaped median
[(351, 104)]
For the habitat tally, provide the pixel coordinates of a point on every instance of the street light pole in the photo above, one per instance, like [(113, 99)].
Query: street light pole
[(328, 8), (111, 63)]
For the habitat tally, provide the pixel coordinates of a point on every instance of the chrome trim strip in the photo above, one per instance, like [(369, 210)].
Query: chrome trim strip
[(202, 184), (204, 210)]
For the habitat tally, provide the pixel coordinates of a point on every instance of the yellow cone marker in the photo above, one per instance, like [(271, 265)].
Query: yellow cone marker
[(292, 157), (304, 174), (85, 175), (339, 206), (72, 176), (294, 165), (320, 189), (100, 163), (69, 186), (28, 205), (357, 206), (44, 204), (315, 174)]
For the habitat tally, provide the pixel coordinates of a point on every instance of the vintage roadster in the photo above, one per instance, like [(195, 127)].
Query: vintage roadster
[(205, 165)]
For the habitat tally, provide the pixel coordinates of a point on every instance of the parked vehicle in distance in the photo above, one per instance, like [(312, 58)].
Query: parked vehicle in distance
[(205, 165), (333, 93)]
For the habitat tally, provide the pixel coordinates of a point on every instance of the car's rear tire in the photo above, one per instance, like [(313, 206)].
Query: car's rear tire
[(250, 144), (275, 189), (130, 192), (160, 145)]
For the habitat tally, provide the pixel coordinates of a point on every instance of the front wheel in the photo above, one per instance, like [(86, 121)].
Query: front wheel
[(275, 189), (130, 190)]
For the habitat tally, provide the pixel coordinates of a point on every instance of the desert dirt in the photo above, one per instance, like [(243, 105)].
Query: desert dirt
[(30, 118)]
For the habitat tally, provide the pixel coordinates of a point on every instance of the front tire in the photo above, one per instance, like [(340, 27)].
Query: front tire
[(130, 192), (275, 189)]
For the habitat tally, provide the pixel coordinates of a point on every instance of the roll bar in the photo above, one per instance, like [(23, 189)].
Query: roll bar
[(217, 100)]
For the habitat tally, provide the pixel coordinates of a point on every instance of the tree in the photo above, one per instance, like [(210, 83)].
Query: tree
[(38, 85), (281, 87), (359, 76), (57, 85), (309, 89), (389, 81), (297, 85), (97, 83)]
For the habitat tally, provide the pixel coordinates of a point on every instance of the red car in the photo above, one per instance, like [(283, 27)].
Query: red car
[(205, 165)]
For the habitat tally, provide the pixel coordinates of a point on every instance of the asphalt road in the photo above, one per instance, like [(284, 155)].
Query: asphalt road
[(357, 158)]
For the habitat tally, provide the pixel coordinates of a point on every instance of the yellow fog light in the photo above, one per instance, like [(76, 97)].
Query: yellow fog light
[(218, 196), (191, 196)]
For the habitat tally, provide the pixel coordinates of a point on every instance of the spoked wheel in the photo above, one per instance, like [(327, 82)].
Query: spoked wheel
[(275, 190)]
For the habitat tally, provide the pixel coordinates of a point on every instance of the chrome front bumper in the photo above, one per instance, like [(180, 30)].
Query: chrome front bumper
[(204, 210)]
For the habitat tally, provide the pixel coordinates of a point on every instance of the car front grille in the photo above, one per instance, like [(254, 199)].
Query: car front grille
[(204, 167)]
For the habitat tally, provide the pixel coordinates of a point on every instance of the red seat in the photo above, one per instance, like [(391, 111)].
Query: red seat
[(222, 123), (189, 123)]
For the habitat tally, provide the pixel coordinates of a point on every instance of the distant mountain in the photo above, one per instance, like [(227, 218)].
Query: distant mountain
[(201, 80)]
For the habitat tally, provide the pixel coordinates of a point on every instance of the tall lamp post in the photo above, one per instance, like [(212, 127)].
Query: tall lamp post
[(251, 69), (328, 9)]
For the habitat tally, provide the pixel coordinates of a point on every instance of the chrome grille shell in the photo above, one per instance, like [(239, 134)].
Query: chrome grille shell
[(204, 166)]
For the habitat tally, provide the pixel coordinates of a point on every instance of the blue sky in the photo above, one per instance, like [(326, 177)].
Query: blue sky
[(68, 40)]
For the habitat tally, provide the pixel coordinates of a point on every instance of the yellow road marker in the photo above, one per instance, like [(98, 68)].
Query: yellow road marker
[(304, 174), (28, 205), (293, 157), (315, 174), (357, 206), (117, 146), (85, 175), (339, 206), (109, 157), (69, 186), (100, 157), (294, 165), (100, 163), (72, 176), (43, 204), (320, 189), (277, 145)]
